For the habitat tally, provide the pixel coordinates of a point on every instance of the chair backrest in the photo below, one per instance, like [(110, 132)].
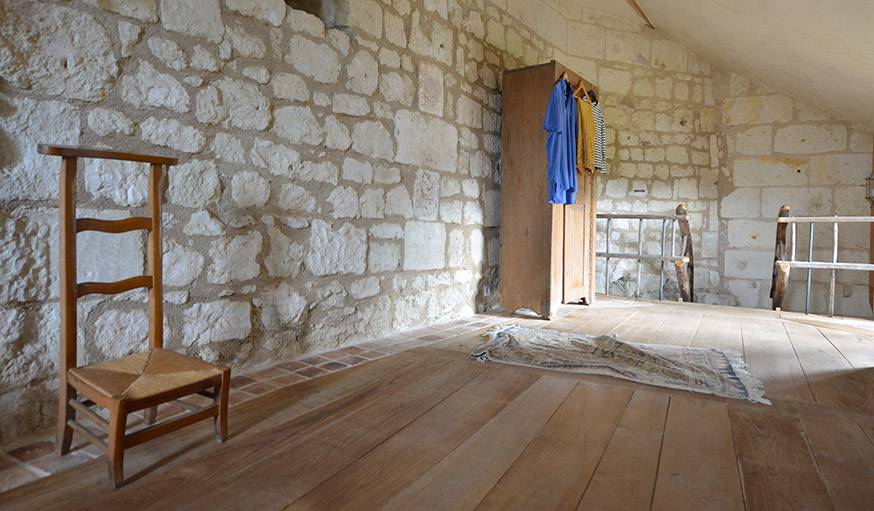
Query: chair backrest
[(69, 226)]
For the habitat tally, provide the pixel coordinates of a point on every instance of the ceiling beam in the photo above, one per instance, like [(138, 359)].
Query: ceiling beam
[(639, 11)]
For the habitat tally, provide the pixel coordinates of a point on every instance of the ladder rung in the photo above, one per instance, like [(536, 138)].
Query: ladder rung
[(113, 288), (134, 223)]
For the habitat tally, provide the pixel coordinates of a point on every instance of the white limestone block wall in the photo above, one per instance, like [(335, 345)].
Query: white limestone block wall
[(779, 150), (335, 184)]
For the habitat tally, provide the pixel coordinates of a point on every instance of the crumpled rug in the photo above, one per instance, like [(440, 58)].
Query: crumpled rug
[(705, 370)]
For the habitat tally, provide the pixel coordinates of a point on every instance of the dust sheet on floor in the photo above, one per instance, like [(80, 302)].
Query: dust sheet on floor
[(704, 370)]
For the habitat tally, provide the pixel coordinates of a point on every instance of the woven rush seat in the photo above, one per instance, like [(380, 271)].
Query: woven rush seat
[(144, 376)]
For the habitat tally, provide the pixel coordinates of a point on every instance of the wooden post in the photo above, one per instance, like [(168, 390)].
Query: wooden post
[(156, 304), (779, 285), (780, 273), (685, 270), (67, 300), (683, 280)]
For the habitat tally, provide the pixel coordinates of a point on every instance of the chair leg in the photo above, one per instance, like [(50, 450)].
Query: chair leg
[(66, 413), (115, 443), (150, 414), (221, 395)]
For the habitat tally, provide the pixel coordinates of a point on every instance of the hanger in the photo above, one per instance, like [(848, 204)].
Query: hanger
[(582, 87)]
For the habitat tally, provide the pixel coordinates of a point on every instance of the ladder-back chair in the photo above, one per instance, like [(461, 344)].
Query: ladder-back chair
[(141, 381)]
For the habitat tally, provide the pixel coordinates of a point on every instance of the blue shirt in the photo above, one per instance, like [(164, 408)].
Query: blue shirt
[(561, 144)]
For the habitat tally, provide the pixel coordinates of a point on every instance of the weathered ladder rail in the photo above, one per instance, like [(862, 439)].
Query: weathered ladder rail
[(684, 262), (782, 267)]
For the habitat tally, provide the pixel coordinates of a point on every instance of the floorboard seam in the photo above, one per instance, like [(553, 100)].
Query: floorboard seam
[(655, 482), (533, 437), (697, 329), (800, 364), (626, 318), (812, 454), (603, 452), (828, 339), (740, 477)]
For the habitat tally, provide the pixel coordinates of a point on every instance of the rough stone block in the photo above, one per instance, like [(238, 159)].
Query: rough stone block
[(424, 246), (280, 160), (614, 80), (25, 174), (807, 139), (298, 125), (249, 189), (235, 259), (363, 73), (316, 60), (770, 171), (627, 48), (272, 11), (149, 87), (173, 134), (749, 264), (219, 321), (383, 256), (755, 140), (430, 88), (803, 201), (757, 110), (366, 15), (336, 251), (55, 50), (25, 259), (194, 184), (669, 55), (840, 169), (751, 234), (742, 203), (198, 18), (427, 142), (371, 138)]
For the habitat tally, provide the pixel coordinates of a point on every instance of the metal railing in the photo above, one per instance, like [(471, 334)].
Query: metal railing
[(684, 262), (780, 275)]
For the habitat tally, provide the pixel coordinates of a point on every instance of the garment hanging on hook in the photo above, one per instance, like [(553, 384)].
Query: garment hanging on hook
[(561, 127), (600, 136), (586, 132)]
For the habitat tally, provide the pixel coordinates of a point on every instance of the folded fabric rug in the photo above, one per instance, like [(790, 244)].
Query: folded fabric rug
[(708, 371)]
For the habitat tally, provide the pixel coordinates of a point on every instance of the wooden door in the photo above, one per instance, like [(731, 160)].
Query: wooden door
[(579, 243)]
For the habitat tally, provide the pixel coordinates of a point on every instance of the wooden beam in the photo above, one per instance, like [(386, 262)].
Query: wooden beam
[(634, 5)]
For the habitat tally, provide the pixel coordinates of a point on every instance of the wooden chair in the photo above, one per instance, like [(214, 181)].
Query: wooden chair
[(136, 382)]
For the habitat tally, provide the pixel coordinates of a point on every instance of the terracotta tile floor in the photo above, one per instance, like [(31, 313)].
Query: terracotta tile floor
[(34, 458)]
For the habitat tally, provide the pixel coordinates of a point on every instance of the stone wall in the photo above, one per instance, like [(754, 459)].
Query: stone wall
[(778, 150), (336, 183)]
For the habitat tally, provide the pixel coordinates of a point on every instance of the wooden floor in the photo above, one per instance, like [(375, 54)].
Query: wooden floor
[(432, 429)]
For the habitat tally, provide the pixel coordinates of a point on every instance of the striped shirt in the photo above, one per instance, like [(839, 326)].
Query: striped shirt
[(600, 139)]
